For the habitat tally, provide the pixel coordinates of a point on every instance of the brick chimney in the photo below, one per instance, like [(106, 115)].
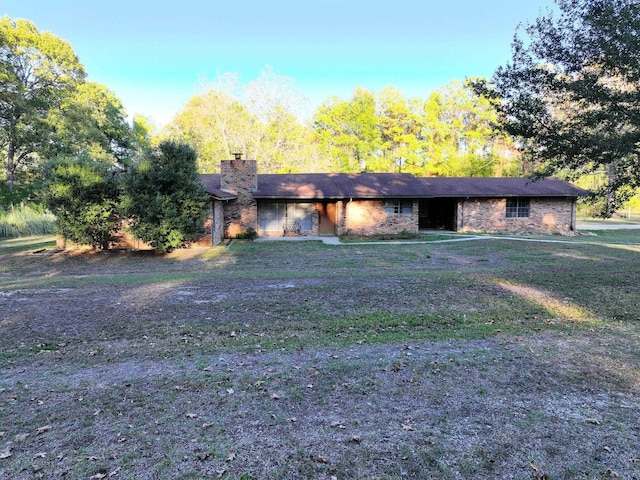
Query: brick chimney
[(239, 177)]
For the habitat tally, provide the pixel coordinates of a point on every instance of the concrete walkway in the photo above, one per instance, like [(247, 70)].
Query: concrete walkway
[(336, 241), (331, 240), (607, 226)]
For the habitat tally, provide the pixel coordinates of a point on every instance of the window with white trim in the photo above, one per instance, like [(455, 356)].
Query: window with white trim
[(398, 207), (518, 208)]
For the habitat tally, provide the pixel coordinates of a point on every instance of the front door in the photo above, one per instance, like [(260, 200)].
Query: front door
[(326, 218)]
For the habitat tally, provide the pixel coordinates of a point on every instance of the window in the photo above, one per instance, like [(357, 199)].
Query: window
[(273, 215), (517, 208), (398, 207)]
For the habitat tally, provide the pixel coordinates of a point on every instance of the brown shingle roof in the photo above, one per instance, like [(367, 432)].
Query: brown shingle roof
[(338, 185), (488, 187), (211, 182), (310, 186)]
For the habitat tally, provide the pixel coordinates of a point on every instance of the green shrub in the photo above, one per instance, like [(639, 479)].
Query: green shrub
[(164, 199), (250, 234), (83, 193)]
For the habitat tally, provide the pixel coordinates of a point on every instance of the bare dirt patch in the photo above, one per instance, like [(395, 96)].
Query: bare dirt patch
[(307, 361)]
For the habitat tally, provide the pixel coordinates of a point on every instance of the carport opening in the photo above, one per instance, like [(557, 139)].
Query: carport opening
[(437, 214)]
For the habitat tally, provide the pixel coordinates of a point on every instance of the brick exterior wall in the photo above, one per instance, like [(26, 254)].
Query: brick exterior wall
[(239, 177), (366, 217), (546, 215)]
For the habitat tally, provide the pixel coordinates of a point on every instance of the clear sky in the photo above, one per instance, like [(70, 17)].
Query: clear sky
[(155, 55)]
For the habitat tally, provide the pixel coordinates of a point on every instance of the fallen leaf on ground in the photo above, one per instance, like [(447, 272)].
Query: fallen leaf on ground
[(594, 421), (21, 437), (537, 474), (41, 430), (6, 453), (40, 455), (320, 459), (192, 415)]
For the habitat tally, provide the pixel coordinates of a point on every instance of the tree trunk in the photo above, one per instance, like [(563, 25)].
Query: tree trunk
[(611, 191), (11, 166), (11, 152)]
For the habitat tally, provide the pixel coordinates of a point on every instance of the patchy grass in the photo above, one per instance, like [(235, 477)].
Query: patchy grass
[(26, 244), (610, 236), (388, 237), (286, 360)]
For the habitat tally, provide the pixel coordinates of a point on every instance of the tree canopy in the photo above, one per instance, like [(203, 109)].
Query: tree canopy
[(259, 120), (349, 131), (453, 132), (571, 94), (38, 71), (92, 120)]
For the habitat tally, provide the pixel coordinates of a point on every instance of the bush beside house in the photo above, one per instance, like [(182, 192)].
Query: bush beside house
[(159, 201), (164, 201)]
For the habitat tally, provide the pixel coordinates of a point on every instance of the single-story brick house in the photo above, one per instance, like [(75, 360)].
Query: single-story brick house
[(336, 203)]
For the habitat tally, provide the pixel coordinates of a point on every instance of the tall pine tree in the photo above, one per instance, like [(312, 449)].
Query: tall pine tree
[(571, 93)]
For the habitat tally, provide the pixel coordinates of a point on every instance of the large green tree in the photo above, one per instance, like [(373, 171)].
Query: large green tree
[(144, 130), (400, 122), (349, 131), (452, 133), (216, 125), (164, 199), (571, 94), (259, 120), (92, 120), (38, 71), (461, 137)]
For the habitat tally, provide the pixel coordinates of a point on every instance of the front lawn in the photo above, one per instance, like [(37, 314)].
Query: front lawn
[(490, 358)]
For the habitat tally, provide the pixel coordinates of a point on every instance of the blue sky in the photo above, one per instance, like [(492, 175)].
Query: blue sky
[(155, 55)]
